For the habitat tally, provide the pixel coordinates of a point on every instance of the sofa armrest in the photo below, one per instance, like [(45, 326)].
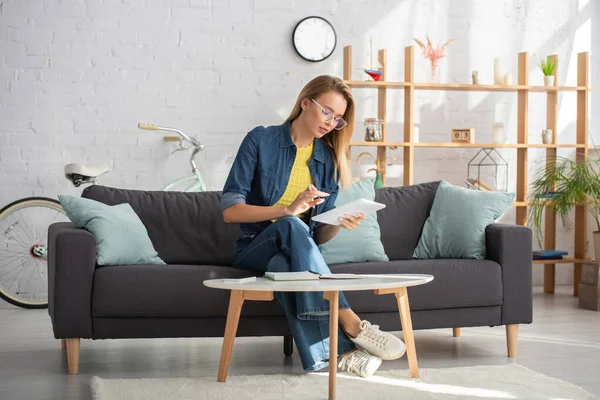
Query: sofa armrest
[(71, 265), (511, 247)]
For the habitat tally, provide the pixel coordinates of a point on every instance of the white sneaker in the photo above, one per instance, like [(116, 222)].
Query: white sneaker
[(381, 344), (360, 362)]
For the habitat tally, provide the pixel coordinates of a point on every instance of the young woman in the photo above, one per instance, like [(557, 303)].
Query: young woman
[(281, 177)]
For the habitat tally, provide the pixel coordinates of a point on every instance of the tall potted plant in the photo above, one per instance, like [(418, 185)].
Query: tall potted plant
[(562, 184)]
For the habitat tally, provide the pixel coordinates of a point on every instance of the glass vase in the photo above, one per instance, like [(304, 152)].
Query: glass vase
[(434, 71)]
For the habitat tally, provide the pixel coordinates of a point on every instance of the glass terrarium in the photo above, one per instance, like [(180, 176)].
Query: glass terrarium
[(488, 171)]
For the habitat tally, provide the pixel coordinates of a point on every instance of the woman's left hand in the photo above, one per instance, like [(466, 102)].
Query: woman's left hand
[(350, 222)]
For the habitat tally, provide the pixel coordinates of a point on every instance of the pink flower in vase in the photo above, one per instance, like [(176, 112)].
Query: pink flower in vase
[(433, 54)]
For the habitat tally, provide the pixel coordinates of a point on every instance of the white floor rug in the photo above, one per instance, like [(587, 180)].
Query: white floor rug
[(510, 381)]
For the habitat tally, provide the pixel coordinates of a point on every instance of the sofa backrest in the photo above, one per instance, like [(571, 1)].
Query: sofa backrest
[(185, 228), (188, 228), (401, 221)]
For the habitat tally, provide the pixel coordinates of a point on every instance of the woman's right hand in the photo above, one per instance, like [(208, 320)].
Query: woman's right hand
[(305, 200)]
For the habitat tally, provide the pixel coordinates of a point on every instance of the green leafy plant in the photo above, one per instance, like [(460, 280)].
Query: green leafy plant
[(563, 184), (547, 66)]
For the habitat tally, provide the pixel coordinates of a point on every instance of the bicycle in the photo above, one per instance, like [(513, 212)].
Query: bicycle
[(24, 227)]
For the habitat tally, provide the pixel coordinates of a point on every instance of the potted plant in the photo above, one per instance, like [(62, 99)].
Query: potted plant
[(547, 66), (562, 184)]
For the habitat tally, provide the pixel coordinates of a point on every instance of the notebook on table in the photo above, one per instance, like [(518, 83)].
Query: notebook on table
[(306, 276)]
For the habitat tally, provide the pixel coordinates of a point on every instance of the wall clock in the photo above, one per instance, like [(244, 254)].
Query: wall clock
[(314, 39)]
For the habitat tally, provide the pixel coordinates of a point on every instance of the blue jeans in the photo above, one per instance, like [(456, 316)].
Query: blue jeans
[(286, 245)]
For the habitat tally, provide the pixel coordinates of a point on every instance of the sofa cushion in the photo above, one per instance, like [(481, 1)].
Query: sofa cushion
[(177, 290), (457, 283), (457, 222), (402, 220), (361, 244), (167, 291), (121, 237), (185, 228)]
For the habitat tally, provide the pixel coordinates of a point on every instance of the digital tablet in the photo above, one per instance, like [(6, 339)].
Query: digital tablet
[(354, 207)]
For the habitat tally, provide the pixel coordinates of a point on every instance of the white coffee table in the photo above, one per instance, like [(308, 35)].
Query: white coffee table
[(262, 290)]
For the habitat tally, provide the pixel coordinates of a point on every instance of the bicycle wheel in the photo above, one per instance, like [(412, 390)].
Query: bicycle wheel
[(23, 250)]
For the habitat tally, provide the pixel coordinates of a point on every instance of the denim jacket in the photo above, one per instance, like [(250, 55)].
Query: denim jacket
[(261, 170)]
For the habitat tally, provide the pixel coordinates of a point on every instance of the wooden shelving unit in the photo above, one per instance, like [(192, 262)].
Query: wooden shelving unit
[(522, 89)]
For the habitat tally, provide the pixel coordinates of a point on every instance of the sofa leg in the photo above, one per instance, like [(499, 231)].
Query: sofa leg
[(456, 332), (63, 344), (512, 335), (288, 345), (73, 355)]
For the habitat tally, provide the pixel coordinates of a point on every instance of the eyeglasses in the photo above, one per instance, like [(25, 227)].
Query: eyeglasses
[(328, 116)]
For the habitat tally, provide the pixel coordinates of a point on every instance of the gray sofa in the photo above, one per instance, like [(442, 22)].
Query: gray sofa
[(188, 232)]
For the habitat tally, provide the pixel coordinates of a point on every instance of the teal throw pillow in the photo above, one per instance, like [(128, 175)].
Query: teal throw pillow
[(121, 237), (362, 244), (456, 224)]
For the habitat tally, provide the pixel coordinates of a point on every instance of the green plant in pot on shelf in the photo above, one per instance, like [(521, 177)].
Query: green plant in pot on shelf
[(548, 66), (563, 184), (379, 167)]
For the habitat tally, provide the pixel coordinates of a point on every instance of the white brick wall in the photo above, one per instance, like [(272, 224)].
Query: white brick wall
[(77, 76)]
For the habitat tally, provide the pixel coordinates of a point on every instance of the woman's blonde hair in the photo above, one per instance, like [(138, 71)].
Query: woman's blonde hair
[(337, 141)]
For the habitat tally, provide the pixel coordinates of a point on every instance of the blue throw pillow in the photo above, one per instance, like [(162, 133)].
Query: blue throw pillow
[(362, 244), (456, 224), (121, 237)]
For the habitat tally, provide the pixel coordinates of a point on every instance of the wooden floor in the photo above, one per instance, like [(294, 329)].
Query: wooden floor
[(563, 342)]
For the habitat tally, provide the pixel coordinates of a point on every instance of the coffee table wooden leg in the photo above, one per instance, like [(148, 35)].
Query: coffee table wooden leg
[(409, 339), (236, 300), (334, 300)]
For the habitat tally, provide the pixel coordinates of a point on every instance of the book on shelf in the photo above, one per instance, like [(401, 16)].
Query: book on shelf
[(547, 195), (549, 254)]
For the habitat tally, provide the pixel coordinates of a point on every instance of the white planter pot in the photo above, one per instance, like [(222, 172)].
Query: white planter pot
[(547, 136), (548, 80), (596, 245)]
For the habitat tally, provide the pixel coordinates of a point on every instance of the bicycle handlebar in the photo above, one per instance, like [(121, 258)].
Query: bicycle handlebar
[(153, 127), (147, 126), (198, 147)]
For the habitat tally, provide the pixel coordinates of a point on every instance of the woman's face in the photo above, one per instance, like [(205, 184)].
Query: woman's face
[(322, 108)]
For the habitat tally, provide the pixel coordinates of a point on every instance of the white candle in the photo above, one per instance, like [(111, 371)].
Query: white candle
[(508, 79), (498, 132), (498, 71)]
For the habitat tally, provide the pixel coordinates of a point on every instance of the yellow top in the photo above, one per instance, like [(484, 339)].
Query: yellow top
[(300, 177)]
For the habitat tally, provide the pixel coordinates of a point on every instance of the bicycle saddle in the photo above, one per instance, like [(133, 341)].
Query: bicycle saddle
[(78, 173)]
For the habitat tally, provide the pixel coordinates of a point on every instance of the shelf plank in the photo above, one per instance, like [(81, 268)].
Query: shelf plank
[(471, 145), (556, 88), (463, 87), (378, 144), (554, 146), (539, 202), (377, 84), (564, 260)]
